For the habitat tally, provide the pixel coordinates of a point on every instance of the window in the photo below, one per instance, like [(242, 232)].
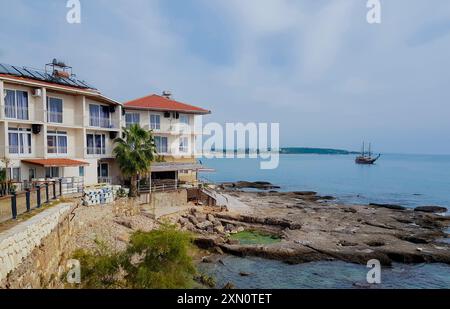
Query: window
[(16, 104), (155, 122), (31, 174), (132, 118), (184, 144), (99, 116), (161, 144), (184, 119), (56, 142), (52, 172), (54, 110), (19, 140), (96, 144), (81, 171), (14, 173), (103, 170)]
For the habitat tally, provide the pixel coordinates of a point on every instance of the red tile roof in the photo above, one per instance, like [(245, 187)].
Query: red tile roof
[(160, 103), (57, 162)]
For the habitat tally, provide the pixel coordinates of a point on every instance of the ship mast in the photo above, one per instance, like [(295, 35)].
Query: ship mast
[(370, 149), (363, 152)]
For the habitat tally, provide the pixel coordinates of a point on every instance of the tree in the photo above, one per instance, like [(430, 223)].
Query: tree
[(134, 152), (159, 259)]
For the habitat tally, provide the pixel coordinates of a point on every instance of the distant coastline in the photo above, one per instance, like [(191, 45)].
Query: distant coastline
[(324, 151), (293, 150)]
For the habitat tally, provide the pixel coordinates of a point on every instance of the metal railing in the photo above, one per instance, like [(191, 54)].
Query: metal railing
[(33, 196), (13, 112)]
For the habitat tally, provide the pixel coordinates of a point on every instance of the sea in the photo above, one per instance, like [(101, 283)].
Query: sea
[(407, 180)]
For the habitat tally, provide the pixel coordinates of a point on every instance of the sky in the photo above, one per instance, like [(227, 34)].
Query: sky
[(315, 66)]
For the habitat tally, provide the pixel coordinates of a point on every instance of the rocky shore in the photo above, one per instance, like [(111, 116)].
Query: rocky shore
[(315, 228)]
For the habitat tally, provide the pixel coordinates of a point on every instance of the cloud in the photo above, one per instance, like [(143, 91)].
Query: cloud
[(316, 66)]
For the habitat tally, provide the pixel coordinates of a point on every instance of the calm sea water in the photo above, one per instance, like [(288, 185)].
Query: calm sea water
[(323, 275), (409, 180)]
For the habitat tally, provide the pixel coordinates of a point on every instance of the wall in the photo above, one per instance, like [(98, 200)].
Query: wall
[(169, 199), (31, 252)]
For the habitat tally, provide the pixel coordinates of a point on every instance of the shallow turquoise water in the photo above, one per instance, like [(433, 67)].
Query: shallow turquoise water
[(409, 180), (333, 275)]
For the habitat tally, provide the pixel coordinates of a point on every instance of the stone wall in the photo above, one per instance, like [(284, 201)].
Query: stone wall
[(31, 253), (169, 199)]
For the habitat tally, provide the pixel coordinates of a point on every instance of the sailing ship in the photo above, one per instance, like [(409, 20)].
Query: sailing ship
[(366, 157)]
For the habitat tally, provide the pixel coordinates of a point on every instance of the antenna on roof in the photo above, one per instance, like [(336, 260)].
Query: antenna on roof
[(167, 94)]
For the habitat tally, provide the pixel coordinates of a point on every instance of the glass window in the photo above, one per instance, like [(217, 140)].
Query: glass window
[(161, 144), (31, 174), (54, 110), (184, 144), (81, 171), (19, 140), (14, 174), (103, 170), (99, 116), (16, 104), (51, 172), (132, 118), (184, 119), (155, 122), (96, 144), (56, 142)]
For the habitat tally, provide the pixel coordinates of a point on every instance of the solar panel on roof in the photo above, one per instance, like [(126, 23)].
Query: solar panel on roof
[(9, 69), (23, 72), (42, 76)]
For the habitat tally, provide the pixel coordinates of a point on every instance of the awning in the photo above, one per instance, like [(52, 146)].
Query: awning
[(171, 167), (57, 162)]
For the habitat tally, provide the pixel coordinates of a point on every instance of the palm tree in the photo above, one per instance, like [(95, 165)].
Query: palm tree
[(134, 153)]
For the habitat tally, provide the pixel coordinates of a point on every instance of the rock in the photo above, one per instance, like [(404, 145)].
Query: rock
[(193, 219), (183, 221), (431, 209), (207, 259), (219, 229), (229, 227), (200, 217), (228, 286), (388, 206), (240, 229), (204, 225), (193, 210), (124, 237), (244, 274), (304, 193), (210, 217)]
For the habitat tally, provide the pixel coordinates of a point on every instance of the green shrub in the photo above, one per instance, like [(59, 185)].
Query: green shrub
[(157, 259)]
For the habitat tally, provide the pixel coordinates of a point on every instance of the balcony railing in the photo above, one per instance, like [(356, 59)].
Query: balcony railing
[(96, 151), (100, 122), (55, 117), (57, 150), (13, 112), (20, 150)]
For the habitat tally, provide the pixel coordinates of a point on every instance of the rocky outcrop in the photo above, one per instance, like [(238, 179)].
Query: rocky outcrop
[(431, 209)]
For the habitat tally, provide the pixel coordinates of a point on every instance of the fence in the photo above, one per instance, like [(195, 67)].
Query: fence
[(157, 185), (34, 195)]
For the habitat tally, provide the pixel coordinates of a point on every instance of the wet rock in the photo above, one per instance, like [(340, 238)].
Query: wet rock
[(244, 274), (388, 206), (431, 209), (228, 286)]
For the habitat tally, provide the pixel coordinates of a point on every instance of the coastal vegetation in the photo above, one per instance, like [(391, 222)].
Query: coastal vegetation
[(134, 152), (159, 259)]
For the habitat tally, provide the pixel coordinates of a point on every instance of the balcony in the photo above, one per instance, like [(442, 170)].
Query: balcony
[(54, 117), (105, 123), (13, 112)]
